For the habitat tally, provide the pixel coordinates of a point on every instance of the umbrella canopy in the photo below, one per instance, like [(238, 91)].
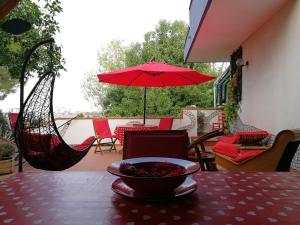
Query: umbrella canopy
[(154, 74)]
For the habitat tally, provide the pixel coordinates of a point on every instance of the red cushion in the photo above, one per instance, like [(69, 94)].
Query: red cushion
[(228, 139), (84, 144), (246, 154), (223, 148), (34, 154), (54, 140), (250, 137), (56, 143), (35, 142)]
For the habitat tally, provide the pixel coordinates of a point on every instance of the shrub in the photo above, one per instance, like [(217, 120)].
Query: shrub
[(5, 130), (6, 151)]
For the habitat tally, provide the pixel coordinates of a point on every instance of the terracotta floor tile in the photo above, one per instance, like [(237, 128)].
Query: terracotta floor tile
[(91, 162)]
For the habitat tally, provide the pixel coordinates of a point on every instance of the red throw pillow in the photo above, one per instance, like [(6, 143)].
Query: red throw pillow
[(250, 137), (227, 149)]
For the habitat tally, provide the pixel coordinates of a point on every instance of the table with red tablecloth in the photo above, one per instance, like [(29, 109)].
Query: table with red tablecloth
[(77, 198), (119, 131)]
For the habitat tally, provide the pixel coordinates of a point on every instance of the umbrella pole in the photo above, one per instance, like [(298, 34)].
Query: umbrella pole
[(145, 98)]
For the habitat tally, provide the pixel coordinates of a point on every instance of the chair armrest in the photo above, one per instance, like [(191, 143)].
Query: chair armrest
[(254, 147), (205, 137), (206, 161)]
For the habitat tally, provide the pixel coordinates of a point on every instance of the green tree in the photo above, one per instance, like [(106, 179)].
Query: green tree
[(13, 48), (110, 57), (7, 83), (164, 44)]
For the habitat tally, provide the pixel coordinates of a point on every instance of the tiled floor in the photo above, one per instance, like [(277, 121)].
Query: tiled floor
[(91, 162)]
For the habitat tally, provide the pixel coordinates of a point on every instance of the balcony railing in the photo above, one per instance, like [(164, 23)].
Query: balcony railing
[(194, 120)]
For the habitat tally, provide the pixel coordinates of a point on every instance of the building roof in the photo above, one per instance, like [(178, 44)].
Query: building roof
[(6, 6), (219, 27)]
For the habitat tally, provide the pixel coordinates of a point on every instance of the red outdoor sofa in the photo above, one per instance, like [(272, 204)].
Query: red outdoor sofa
[(257, 150)]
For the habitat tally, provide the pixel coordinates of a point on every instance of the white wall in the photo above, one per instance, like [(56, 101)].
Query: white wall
[(80, 129), (271, 82)]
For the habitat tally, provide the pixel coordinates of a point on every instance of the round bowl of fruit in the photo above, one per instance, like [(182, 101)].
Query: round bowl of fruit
[(153, 175)]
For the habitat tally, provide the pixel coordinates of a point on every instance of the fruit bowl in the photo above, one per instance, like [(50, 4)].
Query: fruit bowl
[(153, 175)]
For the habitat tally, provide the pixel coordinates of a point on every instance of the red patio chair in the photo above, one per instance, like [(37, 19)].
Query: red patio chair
[(102, 131), (156, 143), (165, 123), (12, 120), (168, 143), (221, 121)]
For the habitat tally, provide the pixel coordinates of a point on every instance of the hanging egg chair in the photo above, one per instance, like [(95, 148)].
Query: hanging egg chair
[(36, 133)]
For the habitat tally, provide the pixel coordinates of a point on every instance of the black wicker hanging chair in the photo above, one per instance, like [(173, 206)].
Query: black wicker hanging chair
[(36, 133)]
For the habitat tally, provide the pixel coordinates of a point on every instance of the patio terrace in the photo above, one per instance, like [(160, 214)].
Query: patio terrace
[(190, 120), (98, 162)]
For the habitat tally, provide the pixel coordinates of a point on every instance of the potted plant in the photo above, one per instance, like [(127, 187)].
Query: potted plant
[(7, 151)]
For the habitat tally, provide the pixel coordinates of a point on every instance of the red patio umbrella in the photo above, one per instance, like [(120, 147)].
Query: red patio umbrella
[(154, 74)]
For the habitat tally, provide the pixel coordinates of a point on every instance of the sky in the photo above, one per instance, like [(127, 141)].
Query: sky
[(85, 28)]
